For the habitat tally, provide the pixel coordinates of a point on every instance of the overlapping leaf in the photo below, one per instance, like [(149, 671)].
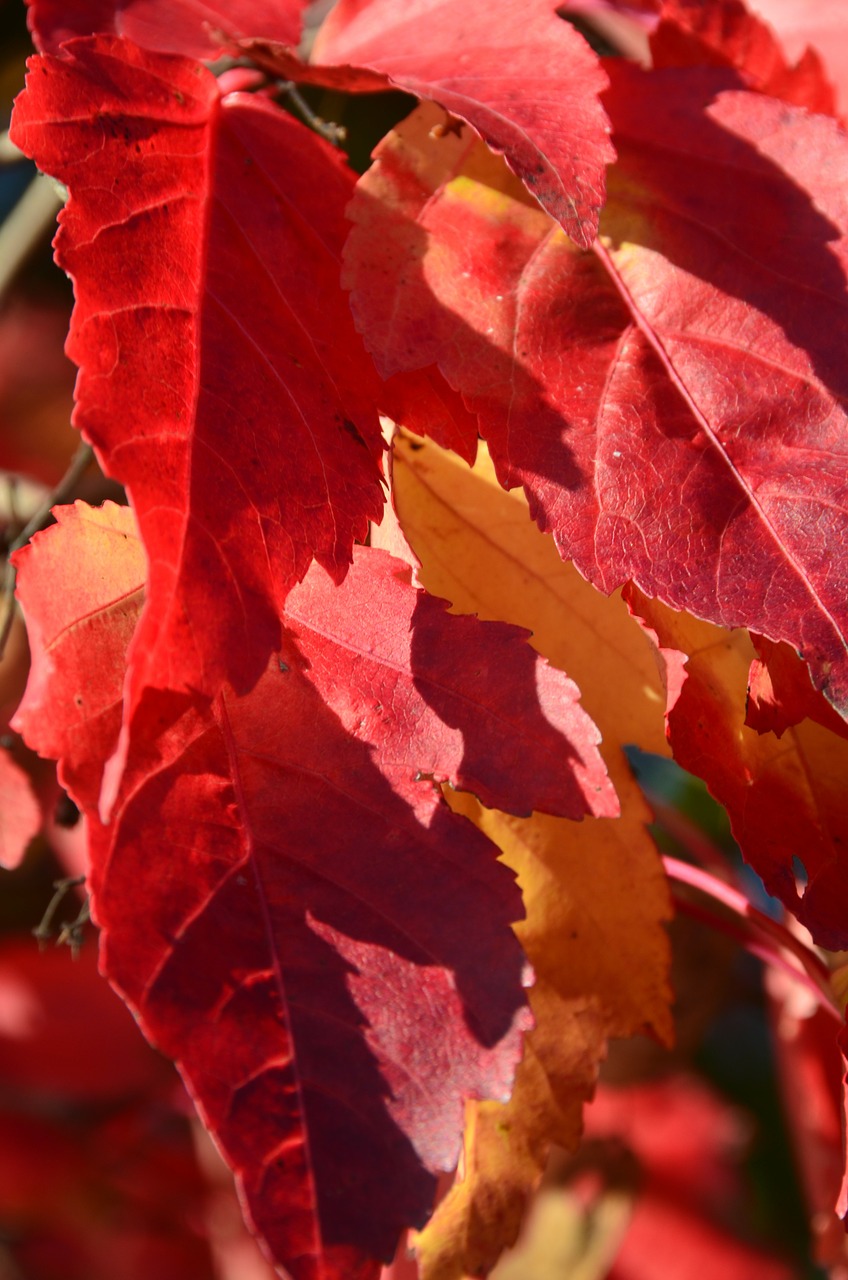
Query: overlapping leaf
[(672, 402), (322, 946), (820, 26), (525, 80), (725, 33), (785, 796), (197, 28), (781, 693), (220, 376), (594, 893)]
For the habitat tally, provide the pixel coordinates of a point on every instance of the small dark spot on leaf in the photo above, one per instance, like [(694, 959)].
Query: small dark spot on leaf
[(78, 699), (415, 445), (351, 430), (284, 666)]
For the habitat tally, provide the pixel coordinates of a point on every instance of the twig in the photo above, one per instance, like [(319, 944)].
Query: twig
[(44, 929), (63, 491), (72, 934), (25, 226), (334, 133)]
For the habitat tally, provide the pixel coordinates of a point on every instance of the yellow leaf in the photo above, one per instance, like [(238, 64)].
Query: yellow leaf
[(594, 892)]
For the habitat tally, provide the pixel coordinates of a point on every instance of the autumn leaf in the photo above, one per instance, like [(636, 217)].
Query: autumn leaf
[(725, 33), (594, 894), (203, 235), (196, 28), (785, 796), (526, 82), (672, 402), (314, 936)]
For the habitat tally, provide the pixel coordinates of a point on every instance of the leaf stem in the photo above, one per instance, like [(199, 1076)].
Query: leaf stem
[(763, 937), (62, 492), (25, 226)]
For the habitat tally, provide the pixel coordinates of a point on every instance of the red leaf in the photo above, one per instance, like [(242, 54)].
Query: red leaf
[(526, 82), (673, 403), (290, 907), (724, 33), (196, 28), (203, 237)]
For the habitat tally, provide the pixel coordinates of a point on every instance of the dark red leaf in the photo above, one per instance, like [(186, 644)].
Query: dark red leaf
[(328, 959), (203, 236), (196, 28), (524, 79), (673, 403), (294, 913), (482, 710), (724, 33)]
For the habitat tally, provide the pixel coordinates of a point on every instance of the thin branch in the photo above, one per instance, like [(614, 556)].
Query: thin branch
[(73, 934), (25, 226), (334, 133), (63, 491), (44, 930)]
